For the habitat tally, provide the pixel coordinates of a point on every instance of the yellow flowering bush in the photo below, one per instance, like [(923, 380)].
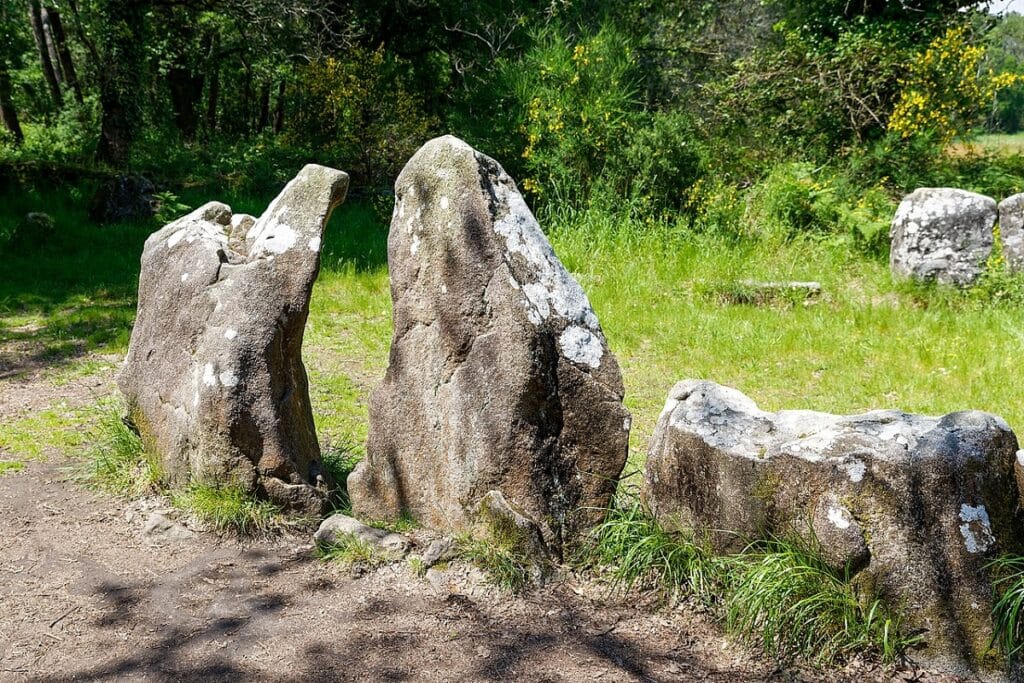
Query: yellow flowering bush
[(946, 88), (362, 111), (578, 96)]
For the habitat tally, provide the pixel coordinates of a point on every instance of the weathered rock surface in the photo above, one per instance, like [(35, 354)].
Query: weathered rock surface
[(942, 234), (499, 376), (338, 525), (124, 198), (1011, 231), (914, 505), (214, 378)]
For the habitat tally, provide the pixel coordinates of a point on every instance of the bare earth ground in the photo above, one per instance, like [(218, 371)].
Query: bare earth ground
[(85, 596)]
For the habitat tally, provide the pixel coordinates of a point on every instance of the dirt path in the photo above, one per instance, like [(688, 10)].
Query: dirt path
[(84, 595)]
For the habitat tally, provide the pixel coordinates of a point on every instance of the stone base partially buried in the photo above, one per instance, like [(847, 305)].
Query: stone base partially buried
[(914, 506)]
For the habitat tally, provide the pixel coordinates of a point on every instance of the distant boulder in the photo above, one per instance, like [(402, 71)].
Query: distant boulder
[(913, 507), (214, 378), (124, 198), (1011, 231), (500, 378), (942, 234)]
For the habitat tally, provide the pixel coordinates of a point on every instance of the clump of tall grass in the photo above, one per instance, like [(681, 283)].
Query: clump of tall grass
[(352, 553), (1007, 612), (230, 509), (118, 461), (504, 564), (778, 594), (634, 547)]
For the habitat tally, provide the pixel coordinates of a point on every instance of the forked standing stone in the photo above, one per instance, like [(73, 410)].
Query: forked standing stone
[(913, 507), (214, 378), (499, 376)]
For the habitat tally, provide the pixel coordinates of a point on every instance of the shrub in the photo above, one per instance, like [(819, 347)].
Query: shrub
[(794, 198), (362, 111), (576, 99)]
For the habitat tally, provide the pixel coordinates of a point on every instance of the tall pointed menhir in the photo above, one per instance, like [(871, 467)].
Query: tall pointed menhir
[(500, 378), (214, 378)]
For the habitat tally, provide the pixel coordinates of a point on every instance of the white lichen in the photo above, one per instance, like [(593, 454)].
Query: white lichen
[(976, 528), (230, 334), (855, 470), (837, 516), (209, 376), (314, 244), (582, 346), (552, 291), (228, 378)]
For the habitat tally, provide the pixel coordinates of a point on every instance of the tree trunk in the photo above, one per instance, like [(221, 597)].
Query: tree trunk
[(8, 114), (63, 52), (279, 109), (120, 78), (264, 108), (186, 94), (51, 48), (35, 17), (213, 85), (212, 97)]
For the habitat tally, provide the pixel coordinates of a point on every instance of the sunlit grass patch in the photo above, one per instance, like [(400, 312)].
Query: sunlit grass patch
[(116, 460), (60, 428), (10, 466), (230, 510)]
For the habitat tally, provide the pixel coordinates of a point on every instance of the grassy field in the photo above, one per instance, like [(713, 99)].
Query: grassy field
[(665, 297)]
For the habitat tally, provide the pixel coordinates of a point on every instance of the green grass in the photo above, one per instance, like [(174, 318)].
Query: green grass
[(782, 596), (116, 460), (32, 436), (230, 510), (1008, 610), (634, 547), (10, 466), (504, 564), (350, 552), (778, 595)]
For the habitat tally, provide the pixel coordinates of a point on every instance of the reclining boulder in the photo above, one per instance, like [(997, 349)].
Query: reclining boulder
[(214, 379), (914, 506), (500, 378)]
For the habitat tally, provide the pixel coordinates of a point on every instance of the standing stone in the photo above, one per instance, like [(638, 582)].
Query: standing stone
[(124, 198), (214, 378), (914, 506), (942, 234), (1011, 231), (499, 376)]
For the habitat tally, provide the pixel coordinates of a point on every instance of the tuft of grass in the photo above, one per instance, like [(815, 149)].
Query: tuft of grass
[(504, 565), (1007, 624), (352, 553), (230, 509), (638, 550), (783, 596), (779, 594), (417, 566), (118, 462), (10, 466)]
